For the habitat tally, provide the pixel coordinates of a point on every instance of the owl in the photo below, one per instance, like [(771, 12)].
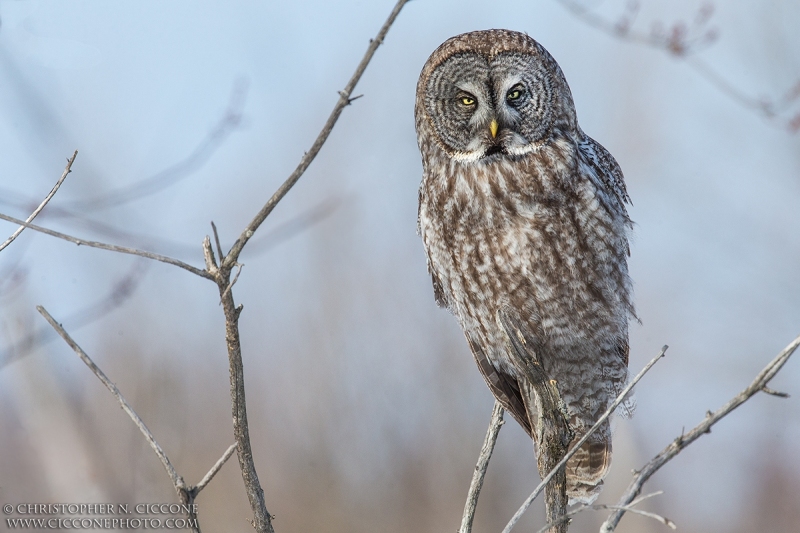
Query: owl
[(520, 211)]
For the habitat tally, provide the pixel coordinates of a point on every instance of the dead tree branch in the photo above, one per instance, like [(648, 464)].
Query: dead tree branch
[(480, 469), (675, 447), (220, 273), (609, 411), (176, 479), (47, 198)]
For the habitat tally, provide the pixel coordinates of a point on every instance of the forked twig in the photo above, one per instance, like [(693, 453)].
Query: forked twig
[(187, 493)]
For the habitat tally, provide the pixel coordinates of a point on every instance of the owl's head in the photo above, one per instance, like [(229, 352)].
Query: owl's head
[(489, 94)]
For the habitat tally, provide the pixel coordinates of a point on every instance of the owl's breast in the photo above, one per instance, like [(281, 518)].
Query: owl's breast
[(538, 241)]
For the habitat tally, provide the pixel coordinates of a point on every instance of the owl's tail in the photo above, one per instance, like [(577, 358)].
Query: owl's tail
[(587, 468)]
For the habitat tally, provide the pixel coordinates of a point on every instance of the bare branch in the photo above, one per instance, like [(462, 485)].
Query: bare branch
[(308, 157), (685, 439), (214, 469), (47, 198), (480, 469), (111, 247), (262, 520), (577, 445), (177, 480)]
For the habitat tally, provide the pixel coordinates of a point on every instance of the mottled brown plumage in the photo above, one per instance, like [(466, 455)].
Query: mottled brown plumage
[(520, 210)]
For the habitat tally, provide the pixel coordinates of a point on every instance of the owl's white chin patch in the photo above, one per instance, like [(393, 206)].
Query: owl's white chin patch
[(468, 157), (521, 149)]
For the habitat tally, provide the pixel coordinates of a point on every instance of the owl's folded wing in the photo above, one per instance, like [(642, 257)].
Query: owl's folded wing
[(503, 387), (605, 168)]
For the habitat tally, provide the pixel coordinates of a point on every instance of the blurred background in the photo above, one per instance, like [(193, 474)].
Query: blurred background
[(366, 410)]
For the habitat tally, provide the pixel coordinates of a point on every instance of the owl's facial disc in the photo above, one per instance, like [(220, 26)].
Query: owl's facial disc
[(484, 109)]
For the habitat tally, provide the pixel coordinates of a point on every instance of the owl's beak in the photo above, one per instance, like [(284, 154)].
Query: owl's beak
[(493, 128)]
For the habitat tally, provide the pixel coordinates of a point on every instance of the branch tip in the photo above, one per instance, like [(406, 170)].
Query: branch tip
[(771, 392)]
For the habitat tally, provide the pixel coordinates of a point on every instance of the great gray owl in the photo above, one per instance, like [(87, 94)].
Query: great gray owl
[(521, 211)]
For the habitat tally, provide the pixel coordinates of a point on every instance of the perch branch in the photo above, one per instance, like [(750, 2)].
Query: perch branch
[(480, 469), (609, 411), (111, 247), (552, 431), (674, 448), (47, 198)]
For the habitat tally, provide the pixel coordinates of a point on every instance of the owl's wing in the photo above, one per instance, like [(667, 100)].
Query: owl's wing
[(605, 169), (504, 387)]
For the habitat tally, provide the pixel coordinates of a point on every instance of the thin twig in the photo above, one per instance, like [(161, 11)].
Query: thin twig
[(308, 157), (685, 439), (480, 469), (579, 443), (47, 198), (216, 238), (216, 468), (177, 480), (111, 247)]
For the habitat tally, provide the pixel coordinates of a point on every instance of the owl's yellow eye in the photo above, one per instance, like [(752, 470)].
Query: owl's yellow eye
[(467, 100), (513, 94)]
